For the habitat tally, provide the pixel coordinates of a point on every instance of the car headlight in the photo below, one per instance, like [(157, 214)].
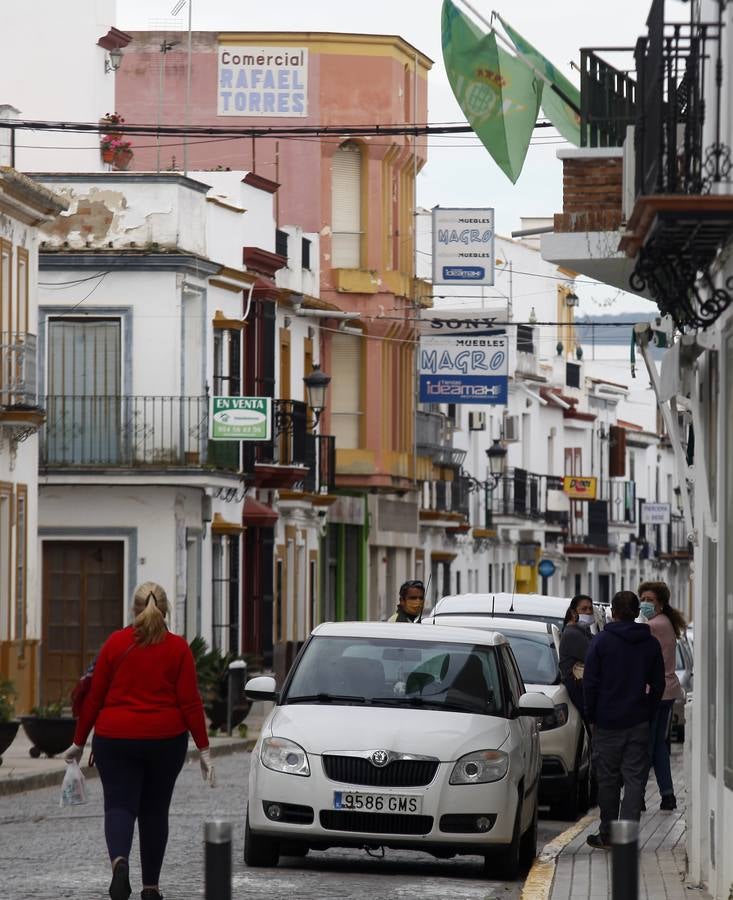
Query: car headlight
[(480, 767), (282, 755), (555, 719)]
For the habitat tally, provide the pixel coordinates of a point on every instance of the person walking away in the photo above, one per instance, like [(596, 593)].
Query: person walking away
[(666, 624), (411, 603), (623, 683), (142, 703), (574, 642)]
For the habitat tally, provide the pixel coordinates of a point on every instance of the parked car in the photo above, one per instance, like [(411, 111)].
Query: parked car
[(393, 736), (564, 744), (535, 607), (683, 668)]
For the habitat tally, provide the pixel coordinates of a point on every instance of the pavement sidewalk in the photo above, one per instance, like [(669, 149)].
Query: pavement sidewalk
[(581, 872), (20, 772)]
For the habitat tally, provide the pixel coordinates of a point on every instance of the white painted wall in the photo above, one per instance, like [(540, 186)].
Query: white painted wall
[(51, 69)]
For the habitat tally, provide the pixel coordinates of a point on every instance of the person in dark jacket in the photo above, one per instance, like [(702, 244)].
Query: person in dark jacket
[(574, 643), (411, 602), (623, 683)]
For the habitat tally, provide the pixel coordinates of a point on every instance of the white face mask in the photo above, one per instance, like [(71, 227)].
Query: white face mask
[(586, 619)]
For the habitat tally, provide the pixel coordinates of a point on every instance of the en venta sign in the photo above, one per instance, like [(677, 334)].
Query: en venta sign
[(240, 419), (263, 81)]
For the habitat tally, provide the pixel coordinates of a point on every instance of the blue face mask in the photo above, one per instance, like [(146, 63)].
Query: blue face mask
[(586, 619), (648, 609)]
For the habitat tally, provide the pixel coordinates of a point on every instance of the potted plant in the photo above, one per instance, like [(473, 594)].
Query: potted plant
[(116, 150), (48, 729), (8, 723), (212, 670)]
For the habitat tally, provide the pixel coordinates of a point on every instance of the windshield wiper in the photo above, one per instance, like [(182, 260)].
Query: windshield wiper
[(452, 706), (326, 698)]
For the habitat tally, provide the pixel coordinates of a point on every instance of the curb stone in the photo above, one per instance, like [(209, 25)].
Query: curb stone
[(51, 779), (542, 874)]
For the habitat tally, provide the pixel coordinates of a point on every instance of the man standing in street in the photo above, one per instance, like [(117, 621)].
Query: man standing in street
[(411, 602), (623, 683)]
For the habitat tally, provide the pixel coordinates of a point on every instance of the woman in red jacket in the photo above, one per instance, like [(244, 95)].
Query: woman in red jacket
[(142, 703)]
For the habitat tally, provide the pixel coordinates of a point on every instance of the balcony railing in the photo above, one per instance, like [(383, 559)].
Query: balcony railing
[(519, 493), (132, 431), (621, 496), (321, 461), (18, 369), (453, 496), (607, 99), (288, 444)]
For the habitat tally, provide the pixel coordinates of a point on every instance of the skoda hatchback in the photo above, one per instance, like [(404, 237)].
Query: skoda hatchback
[(393, 736)]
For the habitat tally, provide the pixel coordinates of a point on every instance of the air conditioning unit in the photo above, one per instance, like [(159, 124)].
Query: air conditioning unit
[(511, 428), (477, 421)]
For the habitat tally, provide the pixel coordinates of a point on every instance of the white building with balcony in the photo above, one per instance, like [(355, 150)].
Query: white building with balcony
[(25, 205)]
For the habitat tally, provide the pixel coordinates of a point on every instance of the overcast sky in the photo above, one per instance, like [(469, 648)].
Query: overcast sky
[(459, 171)]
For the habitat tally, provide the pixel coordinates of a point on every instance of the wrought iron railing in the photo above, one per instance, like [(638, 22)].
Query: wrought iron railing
[(607, 99), (621, 496), (18, 369), (287, 447), (519, 493), (321, 462), (132, 431)]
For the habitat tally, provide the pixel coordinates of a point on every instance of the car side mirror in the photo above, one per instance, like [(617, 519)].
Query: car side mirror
[(263, 687), (535, 705)]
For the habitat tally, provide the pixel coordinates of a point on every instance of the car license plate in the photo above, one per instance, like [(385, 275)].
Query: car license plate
[(387, 803)]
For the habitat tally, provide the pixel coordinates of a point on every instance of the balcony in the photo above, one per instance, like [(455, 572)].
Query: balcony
[(320, 453), (282, 461), (621, 497), (18, 370), (520, 494), (434, 436), (132, 432)]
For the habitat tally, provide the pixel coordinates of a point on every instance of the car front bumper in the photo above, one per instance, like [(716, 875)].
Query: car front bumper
[(329, 828)]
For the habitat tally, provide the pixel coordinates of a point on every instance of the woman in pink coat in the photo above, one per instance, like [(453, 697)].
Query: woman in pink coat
[(666, 624)]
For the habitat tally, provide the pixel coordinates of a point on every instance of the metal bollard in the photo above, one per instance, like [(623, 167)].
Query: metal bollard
[(218, 860), (236, 676), (625, 860)]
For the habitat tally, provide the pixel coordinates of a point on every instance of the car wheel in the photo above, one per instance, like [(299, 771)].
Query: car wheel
[(578, 793), (503, 861), (259, 851)]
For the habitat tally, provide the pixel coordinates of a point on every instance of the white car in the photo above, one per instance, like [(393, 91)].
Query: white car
[(391, 735), (565, 776), (536, 607)]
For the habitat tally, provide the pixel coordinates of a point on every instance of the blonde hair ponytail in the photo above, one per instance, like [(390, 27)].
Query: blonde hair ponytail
[(150, 606)]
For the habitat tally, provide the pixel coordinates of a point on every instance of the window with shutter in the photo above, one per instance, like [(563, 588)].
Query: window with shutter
[(346, 207), (346, 393), (617, 451)]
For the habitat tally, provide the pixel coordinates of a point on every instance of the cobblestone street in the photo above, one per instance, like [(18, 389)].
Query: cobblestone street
[(51, 853)]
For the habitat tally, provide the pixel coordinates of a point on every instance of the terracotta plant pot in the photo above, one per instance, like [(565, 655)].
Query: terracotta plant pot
[(8, 730), (49, 736), (122, 159), (108, 154)]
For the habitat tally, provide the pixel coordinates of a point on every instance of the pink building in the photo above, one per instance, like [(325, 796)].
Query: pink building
[(358, 194)]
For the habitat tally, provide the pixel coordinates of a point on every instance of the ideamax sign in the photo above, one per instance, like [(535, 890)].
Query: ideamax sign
[(262, 81)]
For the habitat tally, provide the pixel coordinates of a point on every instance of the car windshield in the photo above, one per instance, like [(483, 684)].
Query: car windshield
[(535, 655), (384, 672)]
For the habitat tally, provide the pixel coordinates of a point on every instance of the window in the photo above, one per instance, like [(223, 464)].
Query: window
[(281, 243), (525, 339), (21, 561), (225, 592), (305, 254), (346, 390), (227, 380), (22, 311), (346, 213), (6, 519), (572, 375)]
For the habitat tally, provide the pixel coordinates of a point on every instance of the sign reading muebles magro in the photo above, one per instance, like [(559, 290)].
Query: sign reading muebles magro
[(463, 246), (240, 419), (262, 81), (464, 358)]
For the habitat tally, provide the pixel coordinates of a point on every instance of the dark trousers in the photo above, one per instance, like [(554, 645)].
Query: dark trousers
[(138, 778), (621, 759), (659, 748)]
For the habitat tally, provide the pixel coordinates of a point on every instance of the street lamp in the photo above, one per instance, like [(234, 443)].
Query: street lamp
[(496, 455), (113, 60), (316, 384)]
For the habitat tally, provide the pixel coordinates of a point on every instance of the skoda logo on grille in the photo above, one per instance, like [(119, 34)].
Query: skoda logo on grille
[(380, 758)]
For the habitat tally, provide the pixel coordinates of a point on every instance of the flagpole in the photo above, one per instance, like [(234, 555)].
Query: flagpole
[(539, 74)]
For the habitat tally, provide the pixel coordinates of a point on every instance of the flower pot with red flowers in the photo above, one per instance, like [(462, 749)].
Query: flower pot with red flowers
[(122, 155)]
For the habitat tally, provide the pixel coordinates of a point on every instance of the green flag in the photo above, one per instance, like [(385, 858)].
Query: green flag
[(558, 111), (499, 94)]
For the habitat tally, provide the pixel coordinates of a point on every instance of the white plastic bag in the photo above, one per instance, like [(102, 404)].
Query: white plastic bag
[(74, 787)]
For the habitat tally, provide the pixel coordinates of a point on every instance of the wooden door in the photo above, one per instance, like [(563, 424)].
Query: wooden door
[(83, 604)]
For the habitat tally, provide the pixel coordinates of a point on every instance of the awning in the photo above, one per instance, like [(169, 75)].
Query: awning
[(258, 514)]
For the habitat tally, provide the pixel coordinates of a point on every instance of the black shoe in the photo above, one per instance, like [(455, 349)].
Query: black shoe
[(150, 894), (598, 842), (119, 888), (669, 802), (643, 805)]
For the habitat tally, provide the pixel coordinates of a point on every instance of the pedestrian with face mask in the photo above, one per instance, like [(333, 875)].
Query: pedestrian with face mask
[(411, 602), (574, 643), (666, 625)]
